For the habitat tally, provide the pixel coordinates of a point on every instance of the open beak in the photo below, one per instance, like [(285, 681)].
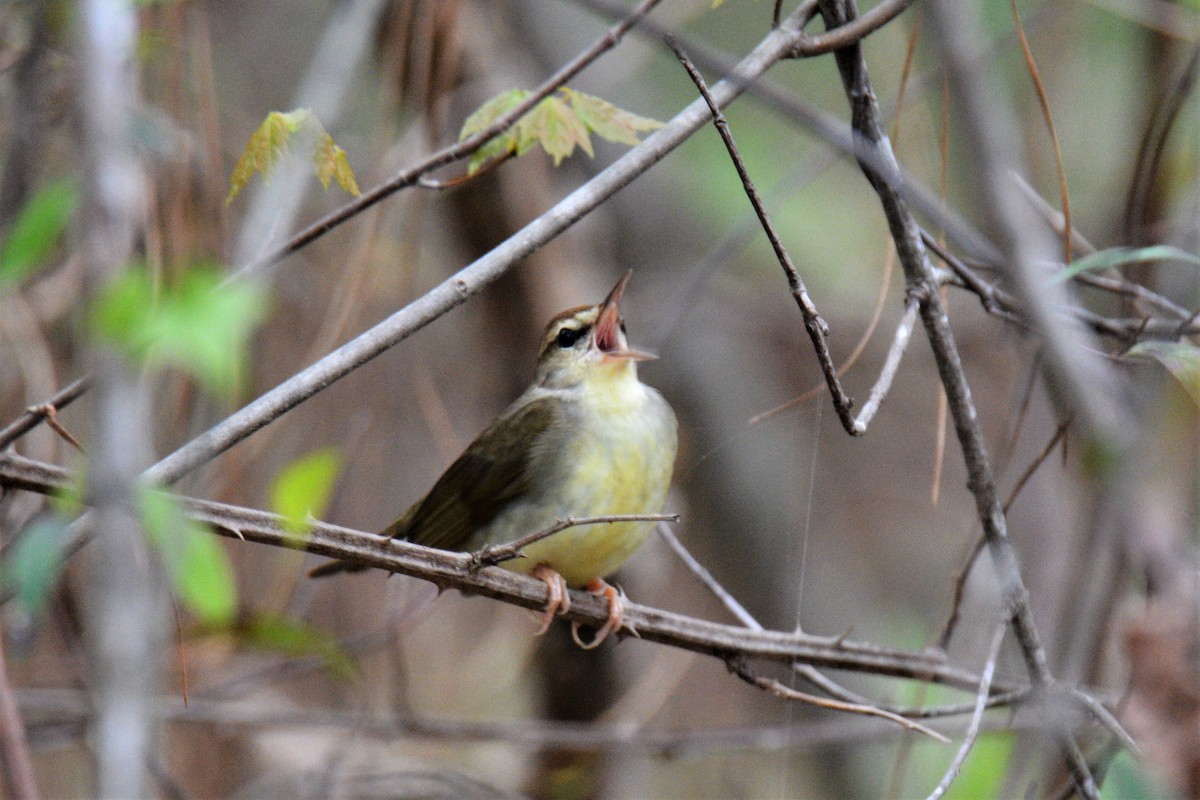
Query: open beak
[(607, 335)]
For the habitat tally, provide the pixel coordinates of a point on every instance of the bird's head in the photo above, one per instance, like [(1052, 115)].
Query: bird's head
[(588, 343)]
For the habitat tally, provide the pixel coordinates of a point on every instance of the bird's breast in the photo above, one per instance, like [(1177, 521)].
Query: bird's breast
[(615, 456)]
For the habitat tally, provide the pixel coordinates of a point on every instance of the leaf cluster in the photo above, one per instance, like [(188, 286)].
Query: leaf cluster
[(559, 124), (270, 142)]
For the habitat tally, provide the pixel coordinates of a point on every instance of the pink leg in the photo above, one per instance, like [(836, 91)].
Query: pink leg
[(616, 613), (558, 601)]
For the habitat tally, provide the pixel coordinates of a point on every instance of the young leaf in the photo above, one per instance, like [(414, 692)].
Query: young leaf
[(329, 161), (556, 128), (36, 230), (293, 638), (606, 120), (197, 566), (266, 146), (484, 116), (1123, 256), (302, 489), (31, 568), (1180, 358), (198, 325)]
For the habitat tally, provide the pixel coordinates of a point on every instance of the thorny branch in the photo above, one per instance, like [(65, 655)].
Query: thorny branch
[(454, 570), (458, 570), (36, 414)]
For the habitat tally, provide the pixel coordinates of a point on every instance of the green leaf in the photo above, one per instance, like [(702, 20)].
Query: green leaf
[(36, 230), (482, 118), (293, 638), (1124, 256), (329, 161), (200, 573), (556, 127), (198, 325), (34, 562), (608, 121), (302, 489), (266, 147), (1180, 358)]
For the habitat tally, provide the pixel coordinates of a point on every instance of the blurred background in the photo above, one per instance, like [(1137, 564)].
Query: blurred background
[(806, 526)]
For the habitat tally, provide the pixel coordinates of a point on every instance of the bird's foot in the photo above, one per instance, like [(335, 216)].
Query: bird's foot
[(616, 613), (558, 600)]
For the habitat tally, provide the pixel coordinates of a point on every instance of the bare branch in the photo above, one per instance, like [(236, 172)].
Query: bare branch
[(453, 570), (35, 414), (817, 329), (787, 693), (921, 277), (890, 365), (495, 554), (985, 683)]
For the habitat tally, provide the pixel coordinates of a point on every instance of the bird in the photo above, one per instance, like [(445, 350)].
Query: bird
[(586, 439)]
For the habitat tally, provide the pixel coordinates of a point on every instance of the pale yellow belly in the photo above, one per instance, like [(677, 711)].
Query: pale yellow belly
[(621, 467)]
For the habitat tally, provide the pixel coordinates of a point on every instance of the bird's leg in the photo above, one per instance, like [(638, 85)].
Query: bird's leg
[(558, 600), (616, 613)]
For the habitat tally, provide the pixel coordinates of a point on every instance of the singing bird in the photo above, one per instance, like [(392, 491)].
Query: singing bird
[(587, 439)]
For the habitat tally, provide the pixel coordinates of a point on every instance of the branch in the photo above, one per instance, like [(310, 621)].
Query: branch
[(454, 570), (985, 683), (496, 554), (787, 693), (36, 414), (890, 365), (817, 329), (472, 278), (852, 32)]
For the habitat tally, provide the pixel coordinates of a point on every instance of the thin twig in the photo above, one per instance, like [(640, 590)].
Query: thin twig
[(1040, 459), (851, 33), (1044, 102), (890, 365), (817, 329), (711, 583), (985, 683), (35, 414), (495, 554), (787, 693)]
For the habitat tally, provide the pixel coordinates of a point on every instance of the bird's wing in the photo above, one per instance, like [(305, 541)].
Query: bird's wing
[(494, 471)]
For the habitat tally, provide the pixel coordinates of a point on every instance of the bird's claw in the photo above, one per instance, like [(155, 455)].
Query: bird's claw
[(558, 599), (616, 614)]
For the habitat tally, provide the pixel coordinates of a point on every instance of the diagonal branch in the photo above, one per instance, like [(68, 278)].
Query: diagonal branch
[(472, 278), (817, 329)]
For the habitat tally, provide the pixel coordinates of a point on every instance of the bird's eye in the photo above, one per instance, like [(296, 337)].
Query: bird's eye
[(567, 337), (623, 328)]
